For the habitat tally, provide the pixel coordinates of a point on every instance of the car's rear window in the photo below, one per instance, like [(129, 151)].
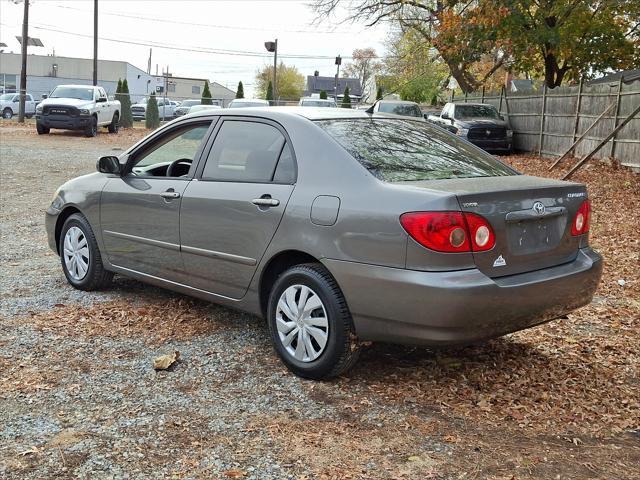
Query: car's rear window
[(398, 150)]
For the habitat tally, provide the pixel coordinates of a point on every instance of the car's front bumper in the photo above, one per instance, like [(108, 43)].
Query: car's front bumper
[(460, 307), (493, 145), (65, 122)]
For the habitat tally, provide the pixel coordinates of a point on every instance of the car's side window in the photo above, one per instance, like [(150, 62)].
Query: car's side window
[(178, 147), (286, 169), (244, 151)]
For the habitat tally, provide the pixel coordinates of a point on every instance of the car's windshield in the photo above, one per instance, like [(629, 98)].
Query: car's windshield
[(317, 103), (476, 111), (404, 109), (6, 97), (80, 93), (397, 150)]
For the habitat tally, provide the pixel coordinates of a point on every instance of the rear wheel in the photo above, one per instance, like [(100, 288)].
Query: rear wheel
[(114, 126), (310, 324), (42, 130), (7, 113), (92, 129), (80, 256)]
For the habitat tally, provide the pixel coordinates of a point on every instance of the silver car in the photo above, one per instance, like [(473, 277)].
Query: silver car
[(337, 226)]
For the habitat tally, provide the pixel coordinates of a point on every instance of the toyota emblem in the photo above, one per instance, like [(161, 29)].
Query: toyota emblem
[(539, 208)]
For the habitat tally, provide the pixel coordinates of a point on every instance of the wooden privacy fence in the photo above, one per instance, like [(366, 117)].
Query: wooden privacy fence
[(549, 121)]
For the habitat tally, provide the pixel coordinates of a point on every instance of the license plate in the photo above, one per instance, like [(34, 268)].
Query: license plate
[(534, 236)]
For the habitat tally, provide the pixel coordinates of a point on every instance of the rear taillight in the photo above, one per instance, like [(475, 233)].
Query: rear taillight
[(580, 223), (449, 231)]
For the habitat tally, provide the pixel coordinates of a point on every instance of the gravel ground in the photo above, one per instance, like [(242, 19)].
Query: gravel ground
[(80, 398)]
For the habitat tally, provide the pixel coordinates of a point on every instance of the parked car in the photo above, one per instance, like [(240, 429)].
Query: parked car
[(247, 102), (397, 107), (184, 107), (317, 102), (78, 107), (9, 105), (199, 108), (479, 123), (166, 110), (336, 225)]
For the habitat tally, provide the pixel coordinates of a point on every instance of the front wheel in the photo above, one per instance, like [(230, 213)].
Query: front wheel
[(42, 130), (7, 113), (80, 256), (310, 323), (92, 129), (114, 126)]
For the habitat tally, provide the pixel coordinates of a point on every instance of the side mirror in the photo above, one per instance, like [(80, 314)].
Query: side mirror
[(101, 99), (501, 117), (445, 115), (44, 96), (108, 164)]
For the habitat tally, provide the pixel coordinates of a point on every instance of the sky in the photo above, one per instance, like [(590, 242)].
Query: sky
[(215, 39)]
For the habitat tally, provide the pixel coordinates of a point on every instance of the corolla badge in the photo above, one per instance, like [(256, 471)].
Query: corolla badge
[(539, 208)]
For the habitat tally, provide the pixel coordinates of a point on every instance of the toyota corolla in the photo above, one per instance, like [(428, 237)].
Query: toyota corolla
[(336, 226)]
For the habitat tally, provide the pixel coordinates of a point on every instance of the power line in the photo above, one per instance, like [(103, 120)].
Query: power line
[(241, 53), (208, 25)]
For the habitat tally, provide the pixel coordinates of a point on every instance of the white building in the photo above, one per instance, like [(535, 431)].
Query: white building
[(45, 72)]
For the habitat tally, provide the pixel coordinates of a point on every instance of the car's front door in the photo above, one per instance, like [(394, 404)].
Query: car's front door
[(229, 216), (140, 211)]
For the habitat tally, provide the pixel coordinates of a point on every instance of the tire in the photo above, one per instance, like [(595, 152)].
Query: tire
[(7, 113), (92, 129), (87, 252), (341, 349), (114, 126), (30, 116), (42, 130)]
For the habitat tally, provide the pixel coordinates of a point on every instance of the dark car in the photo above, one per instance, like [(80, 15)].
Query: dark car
[(336, 225), (479, 123)]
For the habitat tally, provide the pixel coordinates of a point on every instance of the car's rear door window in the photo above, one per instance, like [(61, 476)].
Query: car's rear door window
[(397, 150), (248, 151)]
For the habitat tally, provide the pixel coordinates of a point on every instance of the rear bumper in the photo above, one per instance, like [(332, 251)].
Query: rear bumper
[(64, 122), (460, 307)]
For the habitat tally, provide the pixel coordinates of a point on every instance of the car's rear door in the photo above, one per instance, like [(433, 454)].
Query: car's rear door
[(230, 214), (140, 211)]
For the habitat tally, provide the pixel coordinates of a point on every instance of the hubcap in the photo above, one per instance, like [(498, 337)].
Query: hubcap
[(301, 319), (76, 253)]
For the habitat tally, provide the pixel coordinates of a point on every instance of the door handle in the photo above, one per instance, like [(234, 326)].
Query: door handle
[(266, 202), (170, 194)]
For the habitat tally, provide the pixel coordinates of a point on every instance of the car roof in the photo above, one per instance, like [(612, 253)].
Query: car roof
[(397, 101), (476, 104), (310, 113), (77, 86)]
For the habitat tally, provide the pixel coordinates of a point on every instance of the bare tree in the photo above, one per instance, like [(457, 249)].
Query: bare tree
[(364, 66)]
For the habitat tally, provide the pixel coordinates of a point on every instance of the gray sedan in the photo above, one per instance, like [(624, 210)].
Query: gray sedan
[(337, 226)]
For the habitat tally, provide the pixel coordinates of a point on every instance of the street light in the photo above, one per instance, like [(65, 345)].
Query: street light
[(273, 47)]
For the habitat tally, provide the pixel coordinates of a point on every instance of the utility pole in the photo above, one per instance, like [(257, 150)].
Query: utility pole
[(95, 42), (149, 63), (166, 87), (23, 71), (275, 76), (335, 85), (273, 47)]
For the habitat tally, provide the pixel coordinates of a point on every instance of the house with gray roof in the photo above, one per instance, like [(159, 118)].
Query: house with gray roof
[(316, 83)]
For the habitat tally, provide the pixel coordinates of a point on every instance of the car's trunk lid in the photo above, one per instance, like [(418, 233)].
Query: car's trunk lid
[(531, 218)]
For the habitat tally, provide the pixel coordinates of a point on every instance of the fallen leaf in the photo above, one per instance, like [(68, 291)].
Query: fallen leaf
[(163, 362), (234, 473)]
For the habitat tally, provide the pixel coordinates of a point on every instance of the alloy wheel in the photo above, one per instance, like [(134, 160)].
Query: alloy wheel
[(76, 253), (302, 323)]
